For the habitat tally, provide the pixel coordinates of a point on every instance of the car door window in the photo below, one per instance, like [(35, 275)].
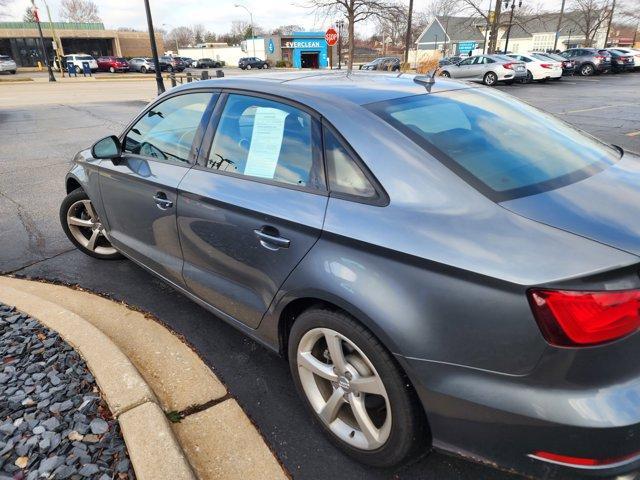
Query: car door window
[(269, 140), (468, 61), (167, 130), (343, 173)]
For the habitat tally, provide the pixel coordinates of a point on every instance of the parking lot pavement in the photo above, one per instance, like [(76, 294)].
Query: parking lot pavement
[(38, 139)]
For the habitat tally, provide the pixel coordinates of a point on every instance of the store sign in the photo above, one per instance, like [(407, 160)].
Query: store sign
[(466, 47), (270, 46), (302, 44)]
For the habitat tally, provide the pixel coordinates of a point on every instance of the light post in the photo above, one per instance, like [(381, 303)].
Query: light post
[(339, 24), (513, 7), (569, 40), (237, 5), (42, 48), (154, 48)]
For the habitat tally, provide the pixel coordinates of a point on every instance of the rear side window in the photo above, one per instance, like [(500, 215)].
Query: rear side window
[(344, 174), (503, 147), (261, 138), (167, 130)]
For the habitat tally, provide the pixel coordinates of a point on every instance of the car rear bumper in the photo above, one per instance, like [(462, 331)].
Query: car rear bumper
[(505, 420)]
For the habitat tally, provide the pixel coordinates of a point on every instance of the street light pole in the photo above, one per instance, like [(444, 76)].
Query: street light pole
[(513, 7), (42, 47), (154, 48), (253, 42), (340, 24), (555, 42)]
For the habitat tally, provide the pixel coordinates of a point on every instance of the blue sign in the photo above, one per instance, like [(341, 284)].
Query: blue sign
[(466, 47), (270, 46)]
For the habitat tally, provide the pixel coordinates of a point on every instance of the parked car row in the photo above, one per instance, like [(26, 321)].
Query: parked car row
[(540, 66), (113, 64)]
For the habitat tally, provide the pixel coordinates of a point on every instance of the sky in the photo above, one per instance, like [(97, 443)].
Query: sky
[(215, 15)]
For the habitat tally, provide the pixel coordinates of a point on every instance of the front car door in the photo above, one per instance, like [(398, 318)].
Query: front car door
[(253, 206), (139, 191), (462, 69)]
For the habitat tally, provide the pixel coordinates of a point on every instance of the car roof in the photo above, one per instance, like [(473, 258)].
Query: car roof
[(331, 87)]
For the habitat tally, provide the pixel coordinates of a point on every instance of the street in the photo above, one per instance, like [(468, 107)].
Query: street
[(41, 131)]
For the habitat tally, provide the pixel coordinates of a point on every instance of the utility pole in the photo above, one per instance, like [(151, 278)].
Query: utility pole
[(340, 24), (59, 51), (42, 47), (613, 7), (407, 38), (486, 30), (493, 35), (555, 42), (253, 42), (154, 48), (513, 7)]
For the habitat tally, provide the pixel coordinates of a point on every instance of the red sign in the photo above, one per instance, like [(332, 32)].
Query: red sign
[(331, 37)]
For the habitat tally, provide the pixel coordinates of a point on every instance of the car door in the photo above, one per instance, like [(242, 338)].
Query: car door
[(477, 68), (139, 190), (462, 69), (253, 206)]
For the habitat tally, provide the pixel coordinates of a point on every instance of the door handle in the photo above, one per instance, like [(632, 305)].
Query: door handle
[(270, 238), (162, 202)]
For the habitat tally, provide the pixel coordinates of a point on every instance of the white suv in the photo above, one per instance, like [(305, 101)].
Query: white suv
[(77, 59)]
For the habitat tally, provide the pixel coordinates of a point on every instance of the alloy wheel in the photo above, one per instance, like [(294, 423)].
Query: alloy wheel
[(86, 228), (586, 70), (446, 74), (490, 79), (344, 389)]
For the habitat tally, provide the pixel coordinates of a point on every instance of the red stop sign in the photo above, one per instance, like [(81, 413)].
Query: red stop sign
[(331, 37)]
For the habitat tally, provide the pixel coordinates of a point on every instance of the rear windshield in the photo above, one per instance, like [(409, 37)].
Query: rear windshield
[(121, 59), (503, 147), (84, 57), (542, 56)]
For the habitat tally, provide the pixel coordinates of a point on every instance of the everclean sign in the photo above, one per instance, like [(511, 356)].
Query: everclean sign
[(303, 44)]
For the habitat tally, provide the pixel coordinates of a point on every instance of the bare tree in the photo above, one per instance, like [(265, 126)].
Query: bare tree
[(180, 37), (589, 16), (354, 11), (29, 16), (79, 11), (199, 31), (287, 29)]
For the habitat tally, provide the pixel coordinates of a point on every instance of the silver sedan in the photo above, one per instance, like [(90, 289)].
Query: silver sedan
[(488, 69)]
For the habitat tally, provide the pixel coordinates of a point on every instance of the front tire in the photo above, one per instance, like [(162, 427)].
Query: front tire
[(248, 67), (490, 79), (112, 70), (445, 74), (143, 69), (355, 389), (265, 66), (83, 227)]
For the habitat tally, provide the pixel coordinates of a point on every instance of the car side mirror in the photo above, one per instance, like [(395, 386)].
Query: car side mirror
[(108, 148)]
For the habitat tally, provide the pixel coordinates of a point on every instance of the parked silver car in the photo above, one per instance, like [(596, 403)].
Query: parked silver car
[(142, 65), (7, 64), (488, 69)]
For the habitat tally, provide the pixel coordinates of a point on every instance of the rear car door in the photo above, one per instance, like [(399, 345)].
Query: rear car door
[(139, 191), (254, 205)]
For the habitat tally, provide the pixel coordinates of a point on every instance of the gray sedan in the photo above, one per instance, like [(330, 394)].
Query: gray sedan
[(441, 265), (488, 69)]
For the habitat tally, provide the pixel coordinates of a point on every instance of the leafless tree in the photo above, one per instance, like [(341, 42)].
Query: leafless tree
[(287, 29), (589, 17), (29, 16), (199, 31), (354, 11), (179, 37), (80, 11)]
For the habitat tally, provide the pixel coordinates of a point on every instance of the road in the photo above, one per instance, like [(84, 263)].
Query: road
[(41, 127)]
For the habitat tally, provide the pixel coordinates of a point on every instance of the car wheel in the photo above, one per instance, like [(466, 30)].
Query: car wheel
[(248, 67), (587, 70), (82, 226), (78, 69), (355, 389), (445, 74), (143, 69), (12, 72), (529, 78), (265, 66), (490, 79), (170, 69), (557, 79), (112, 70)]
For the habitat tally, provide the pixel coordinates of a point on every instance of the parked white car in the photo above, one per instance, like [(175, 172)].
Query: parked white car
[(78, 59), (7, 64), (538, 69)]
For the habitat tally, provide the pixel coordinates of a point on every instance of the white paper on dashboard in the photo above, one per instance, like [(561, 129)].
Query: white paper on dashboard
[(266, 141)]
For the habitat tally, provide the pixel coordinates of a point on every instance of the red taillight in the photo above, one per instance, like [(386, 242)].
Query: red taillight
[(546, 65), (581, 461), (508, 66), (578, 318), (600, 57)]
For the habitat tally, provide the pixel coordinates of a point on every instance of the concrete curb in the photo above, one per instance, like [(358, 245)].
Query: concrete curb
[(209, 433), (154, 451)]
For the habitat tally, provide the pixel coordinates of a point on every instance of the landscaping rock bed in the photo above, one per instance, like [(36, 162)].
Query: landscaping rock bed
[(53, 422)]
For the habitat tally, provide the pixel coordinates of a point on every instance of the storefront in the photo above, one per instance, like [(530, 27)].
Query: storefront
[(305, 50)]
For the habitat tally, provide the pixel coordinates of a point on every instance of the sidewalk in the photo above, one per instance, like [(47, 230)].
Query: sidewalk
[(177, 418)]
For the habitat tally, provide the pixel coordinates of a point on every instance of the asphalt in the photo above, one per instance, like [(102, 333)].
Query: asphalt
[(36, 144)]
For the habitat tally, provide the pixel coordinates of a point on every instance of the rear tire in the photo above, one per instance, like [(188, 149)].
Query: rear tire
[(112, 70), (78, 69), (143, 69), (248, 67), (396, 417), (587, 70), (12, 72), (490, 79)]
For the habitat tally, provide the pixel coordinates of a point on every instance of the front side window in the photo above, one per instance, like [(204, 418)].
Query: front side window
[(269, 140), (502, 147), (167, 130)]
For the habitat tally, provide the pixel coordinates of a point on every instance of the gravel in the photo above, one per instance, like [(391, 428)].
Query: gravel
[(53, 422)]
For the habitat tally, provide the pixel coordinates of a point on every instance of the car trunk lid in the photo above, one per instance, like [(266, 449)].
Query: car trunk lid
[(604, 207)]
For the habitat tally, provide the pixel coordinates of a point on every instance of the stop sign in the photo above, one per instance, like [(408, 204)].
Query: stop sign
[(331, 37)]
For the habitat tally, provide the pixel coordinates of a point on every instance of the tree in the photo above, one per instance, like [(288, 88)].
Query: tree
[(180, 36), (29, 16), (589, 17), (354, 11), (199, 31), (79, 11), (287, 29)]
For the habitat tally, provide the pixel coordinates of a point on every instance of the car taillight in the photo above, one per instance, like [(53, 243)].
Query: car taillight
[(599, 57), (580, 318), (508, 66), (583, 461), (546, 65)]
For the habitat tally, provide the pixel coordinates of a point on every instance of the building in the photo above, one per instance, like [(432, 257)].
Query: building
[(460, 35), (299, 50), (20, 40)]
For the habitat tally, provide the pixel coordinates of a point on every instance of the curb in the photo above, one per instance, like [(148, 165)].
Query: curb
[(209, 436), (154, 451)]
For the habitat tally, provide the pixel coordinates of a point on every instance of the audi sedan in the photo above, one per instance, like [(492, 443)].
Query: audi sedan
[(441, 265)]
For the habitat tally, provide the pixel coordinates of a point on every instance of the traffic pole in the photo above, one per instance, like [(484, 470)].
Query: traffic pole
[(154, 49), (43, 50)]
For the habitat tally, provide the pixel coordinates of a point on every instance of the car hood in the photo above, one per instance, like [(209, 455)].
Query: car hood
[(604, 208)]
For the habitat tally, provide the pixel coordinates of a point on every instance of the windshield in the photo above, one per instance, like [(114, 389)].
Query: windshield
[(503, 147)]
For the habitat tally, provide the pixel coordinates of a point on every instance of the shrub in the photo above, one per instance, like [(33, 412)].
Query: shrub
[(427, 65), (281, 64)]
